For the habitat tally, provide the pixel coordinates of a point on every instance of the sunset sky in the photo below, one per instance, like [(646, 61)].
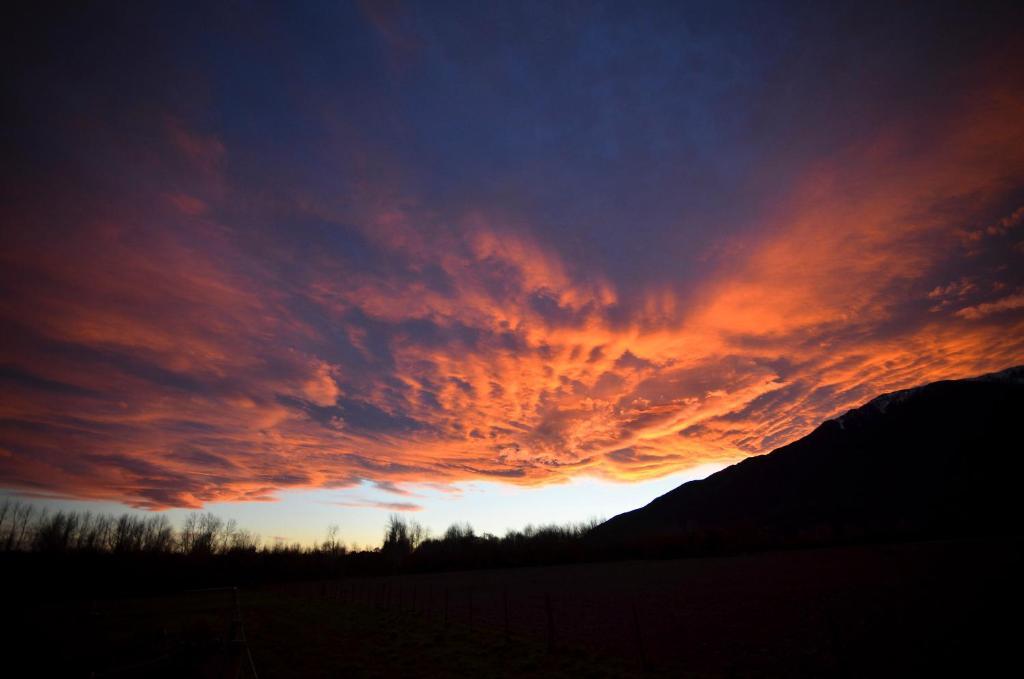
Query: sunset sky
[(505, 263)]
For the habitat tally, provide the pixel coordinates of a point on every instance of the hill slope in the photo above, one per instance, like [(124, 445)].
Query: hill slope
[(942, 459)]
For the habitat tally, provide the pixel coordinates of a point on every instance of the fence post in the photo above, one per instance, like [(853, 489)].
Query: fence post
[(446, 608), (470, 606), (551, 622), (504, 595), (835, 640), (639, 639)]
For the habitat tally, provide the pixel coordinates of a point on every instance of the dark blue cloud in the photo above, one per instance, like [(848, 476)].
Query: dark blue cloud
[(264, 245)]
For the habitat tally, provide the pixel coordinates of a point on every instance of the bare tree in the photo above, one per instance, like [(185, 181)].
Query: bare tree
[(100, 534), (158, 535), (201, 534), (331, 544), (21, 520), (5, 511), (241, 540)]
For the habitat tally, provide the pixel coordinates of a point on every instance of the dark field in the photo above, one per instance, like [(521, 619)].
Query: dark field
[(921, 609)]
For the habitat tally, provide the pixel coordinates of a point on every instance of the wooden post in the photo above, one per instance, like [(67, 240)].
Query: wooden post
[(551, 622), (638, 635), (504, 596), (835, 641), (470, 595), (446, 608)]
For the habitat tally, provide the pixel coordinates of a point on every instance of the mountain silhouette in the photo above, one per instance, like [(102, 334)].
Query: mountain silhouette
[(943, 459)]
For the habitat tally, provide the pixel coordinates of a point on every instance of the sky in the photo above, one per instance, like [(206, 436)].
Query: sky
[(305, 264)]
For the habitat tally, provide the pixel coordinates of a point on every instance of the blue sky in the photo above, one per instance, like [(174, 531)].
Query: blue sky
[(507, 262)]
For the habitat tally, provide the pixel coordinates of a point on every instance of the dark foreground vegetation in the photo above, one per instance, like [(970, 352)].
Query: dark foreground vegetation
[(943, 608)]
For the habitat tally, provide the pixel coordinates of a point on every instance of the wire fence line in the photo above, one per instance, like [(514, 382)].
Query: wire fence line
[(647, 627), (556, 619), (639, 627), (808, 613), (232, 649)]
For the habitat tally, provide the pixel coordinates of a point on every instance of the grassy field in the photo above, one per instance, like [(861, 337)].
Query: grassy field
[(886, 610), (290, 633)]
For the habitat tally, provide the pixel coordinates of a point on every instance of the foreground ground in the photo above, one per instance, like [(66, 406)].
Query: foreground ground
[(921, 609)]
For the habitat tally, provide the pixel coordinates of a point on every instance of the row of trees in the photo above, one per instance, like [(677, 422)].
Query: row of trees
[(25, 528), (85, 551), (68, 553), (407, 545)]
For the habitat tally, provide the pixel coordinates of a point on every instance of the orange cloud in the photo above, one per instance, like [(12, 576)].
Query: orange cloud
[(390, 506), (160, 357), (1008, 303)]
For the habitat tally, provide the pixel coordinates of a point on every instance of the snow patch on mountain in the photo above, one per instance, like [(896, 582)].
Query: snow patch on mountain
[(881, 404)]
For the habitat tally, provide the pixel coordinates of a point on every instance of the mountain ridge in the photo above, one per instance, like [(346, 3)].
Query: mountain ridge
[(937, 459)]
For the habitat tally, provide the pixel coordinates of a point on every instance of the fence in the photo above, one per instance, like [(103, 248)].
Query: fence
[(201, 633), (558, 620), (659, 620)]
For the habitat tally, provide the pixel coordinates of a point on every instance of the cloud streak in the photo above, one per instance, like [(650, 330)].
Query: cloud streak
[(390, 506), (189, 332)]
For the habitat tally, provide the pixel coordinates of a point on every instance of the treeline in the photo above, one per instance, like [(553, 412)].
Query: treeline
[(85, 552), (407, 547), (24, 528), (82, 553), (64, 553)]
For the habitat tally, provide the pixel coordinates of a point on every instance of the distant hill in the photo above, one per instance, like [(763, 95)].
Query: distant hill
[(944, 459)]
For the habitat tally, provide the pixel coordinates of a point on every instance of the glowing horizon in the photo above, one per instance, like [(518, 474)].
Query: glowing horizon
[(383, 254)]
